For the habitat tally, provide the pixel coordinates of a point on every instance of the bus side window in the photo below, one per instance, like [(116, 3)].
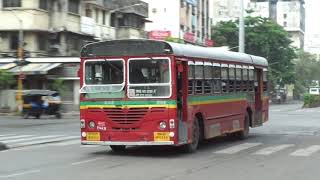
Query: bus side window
[(207, 77), (216, 78), (238, 78), (265, 80), (232, 77), (251, 79), (245, 77), (224, 78), (199, 78), (190, 77)]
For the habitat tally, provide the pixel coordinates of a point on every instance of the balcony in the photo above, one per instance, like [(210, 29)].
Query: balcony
[(130, 33), (141, 10), (107, 4), (31, 19)]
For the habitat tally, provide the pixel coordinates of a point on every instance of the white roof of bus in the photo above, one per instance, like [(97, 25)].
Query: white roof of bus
[(212, 53)]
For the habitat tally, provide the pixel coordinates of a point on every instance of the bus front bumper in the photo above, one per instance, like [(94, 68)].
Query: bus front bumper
[(139, 143)]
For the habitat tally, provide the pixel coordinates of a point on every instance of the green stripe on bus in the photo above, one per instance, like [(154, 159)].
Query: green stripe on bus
[(194, 100), (129, 103)]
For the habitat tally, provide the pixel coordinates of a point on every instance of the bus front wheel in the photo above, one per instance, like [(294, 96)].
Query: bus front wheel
[(193, 146), (118, 148)]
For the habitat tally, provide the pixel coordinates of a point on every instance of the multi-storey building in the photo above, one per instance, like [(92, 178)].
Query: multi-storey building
[(187, 20), (288, 13), (62, 27), (55, 28)]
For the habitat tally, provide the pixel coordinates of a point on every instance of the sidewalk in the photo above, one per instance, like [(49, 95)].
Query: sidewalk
[(64, 114)]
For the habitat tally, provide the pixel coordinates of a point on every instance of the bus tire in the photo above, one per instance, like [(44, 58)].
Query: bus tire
[(244, 134), (193, 146), (118, 148)]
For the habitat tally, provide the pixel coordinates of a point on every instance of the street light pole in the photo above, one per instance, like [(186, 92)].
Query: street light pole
[(241, 29), (20, 51)]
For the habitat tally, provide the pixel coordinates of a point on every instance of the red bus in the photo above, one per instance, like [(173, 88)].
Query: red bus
[(147, 92)]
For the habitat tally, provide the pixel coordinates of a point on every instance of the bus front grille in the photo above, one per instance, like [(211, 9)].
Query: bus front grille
[(126, 116)]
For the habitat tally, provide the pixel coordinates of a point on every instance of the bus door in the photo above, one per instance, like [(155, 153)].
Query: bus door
[(258, 89), (182, 92)]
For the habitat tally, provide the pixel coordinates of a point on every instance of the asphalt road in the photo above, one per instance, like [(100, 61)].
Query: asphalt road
[(286, 148)]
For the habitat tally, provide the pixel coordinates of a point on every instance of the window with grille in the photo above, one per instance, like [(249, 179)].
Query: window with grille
[(199, 78), (74, 6), (43, 4), (11, 3), (190, 78)]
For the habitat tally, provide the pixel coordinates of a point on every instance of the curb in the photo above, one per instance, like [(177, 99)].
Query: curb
[(3, 147)]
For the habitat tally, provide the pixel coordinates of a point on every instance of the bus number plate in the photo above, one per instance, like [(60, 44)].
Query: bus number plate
[(93, 136), (161, 136)]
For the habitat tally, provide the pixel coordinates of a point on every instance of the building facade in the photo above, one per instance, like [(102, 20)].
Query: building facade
[(60, 28), (186, 20), (288, 13)]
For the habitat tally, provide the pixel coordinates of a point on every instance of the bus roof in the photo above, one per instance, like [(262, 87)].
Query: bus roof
[(136, 47)]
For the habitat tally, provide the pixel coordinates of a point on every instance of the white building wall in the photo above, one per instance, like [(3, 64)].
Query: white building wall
[(165, 16), (289, 12), (226, 10)]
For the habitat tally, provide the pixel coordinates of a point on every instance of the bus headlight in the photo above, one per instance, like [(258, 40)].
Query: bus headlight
[(162, 125), (82, 123), (171, 123), (92, 124)]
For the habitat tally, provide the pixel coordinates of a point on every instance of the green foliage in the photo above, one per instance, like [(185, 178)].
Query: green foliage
[(311, 101), (307, 69), (176, 40), (265, 38), (58, 85), (6, 79)]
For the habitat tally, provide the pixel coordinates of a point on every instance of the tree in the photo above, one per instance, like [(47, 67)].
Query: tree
[(264, 38), (307, 71), (6, 79), (59, 85)]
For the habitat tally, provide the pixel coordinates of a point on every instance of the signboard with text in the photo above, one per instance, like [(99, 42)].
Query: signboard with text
[(189, 37), (159, 35), (209, 43)]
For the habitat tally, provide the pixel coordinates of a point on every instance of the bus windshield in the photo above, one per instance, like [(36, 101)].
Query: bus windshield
[(103, 76), (149, 78)]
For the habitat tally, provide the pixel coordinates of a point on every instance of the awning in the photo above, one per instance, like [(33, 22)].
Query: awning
[(7, 66), (35, 68)]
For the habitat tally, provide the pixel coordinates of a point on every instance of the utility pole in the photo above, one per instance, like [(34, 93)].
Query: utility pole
[(241, 29), (20, 62)]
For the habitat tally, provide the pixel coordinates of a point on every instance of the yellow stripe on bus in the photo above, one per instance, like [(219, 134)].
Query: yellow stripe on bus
[(126, 106)]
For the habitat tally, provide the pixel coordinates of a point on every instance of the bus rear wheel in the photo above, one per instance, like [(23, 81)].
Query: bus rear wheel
[(193, 146), (244, 134), (118, 148)]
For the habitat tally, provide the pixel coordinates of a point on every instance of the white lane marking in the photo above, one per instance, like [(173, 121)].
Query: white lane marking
[(275, 110), (273, 149), (85, 161), (15, 137), (19, 174), (237, 148), (43, 141), (28, 139), (7, 135), (5, 150), (307, 151), (67, 143), (90, 146)]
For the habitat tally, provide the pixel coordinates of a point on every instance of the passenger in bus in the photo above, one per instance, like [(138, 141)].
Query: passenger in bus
[(137, 77)]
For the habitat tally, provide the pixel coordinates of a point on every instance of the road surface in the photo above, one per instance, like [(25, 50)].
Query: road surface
[(286, 148)]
